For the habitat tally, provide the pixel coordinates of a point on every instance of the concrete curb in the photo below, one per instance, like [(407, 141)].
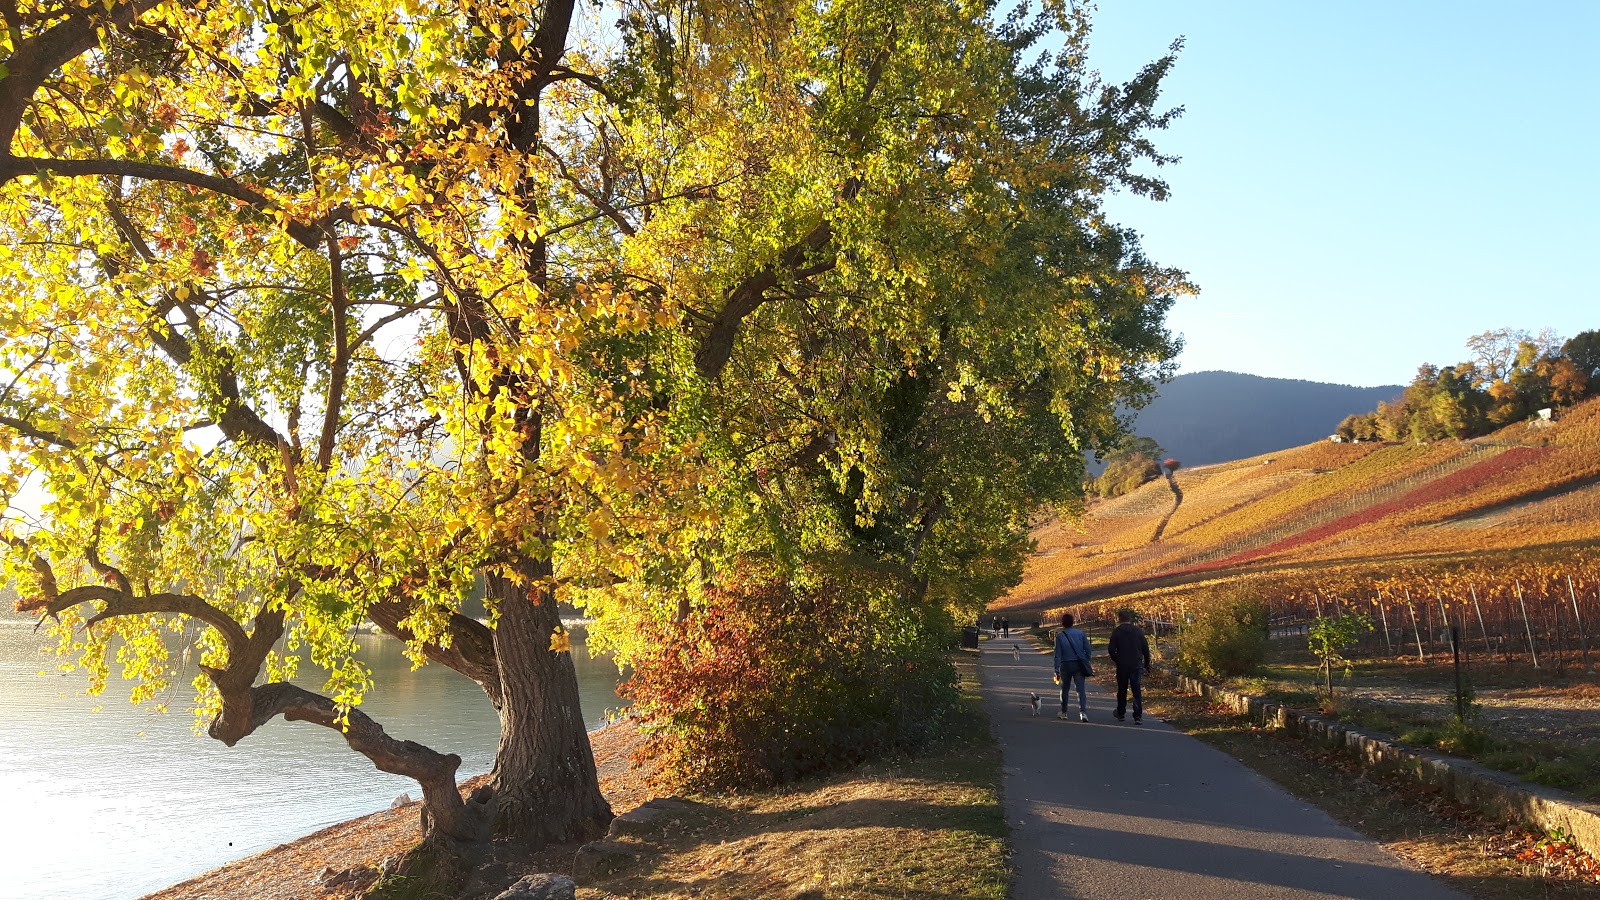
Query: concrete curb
[(1491, 792)]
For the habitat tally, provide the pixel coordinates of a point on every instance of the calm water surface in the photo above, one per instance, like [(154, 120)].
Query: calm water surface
[(102, 799)]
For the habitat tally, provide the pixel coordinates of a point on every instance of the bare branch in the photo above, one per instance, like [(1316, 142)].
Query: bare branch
[(371, 330), (434, 771), (471, 650)]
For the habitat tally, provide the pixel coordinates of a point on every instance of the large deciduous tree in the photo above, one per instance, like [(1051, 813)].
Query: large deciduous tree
[(328, 312), (1583, 349), (959, 331), (287, 354)]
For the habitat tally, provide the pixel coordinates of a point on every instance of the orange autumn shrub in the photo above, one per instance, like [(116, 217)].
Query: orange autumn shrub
[(770, 682)]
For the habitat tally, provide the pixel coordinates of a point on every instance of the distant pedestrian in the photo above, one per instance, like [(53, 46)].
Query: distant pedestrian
[(1129, 649), (1072, 666), (1005, 627)]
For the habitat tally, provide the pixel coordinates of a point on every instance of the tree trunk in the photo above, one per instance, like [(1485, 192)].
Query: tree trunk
[(545, 785)]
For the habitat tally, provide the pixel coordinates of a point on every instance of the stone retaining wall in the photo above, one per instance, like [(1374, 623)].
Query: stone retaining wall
[(1492, 792)]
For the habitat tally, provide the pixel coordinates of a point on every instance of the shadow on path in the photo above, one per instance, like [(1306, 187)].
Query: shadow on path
[(1111, 810)]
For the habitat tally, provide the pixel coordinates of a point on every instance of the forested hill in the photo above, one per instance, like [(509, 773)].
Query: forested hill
[(1208, 417)]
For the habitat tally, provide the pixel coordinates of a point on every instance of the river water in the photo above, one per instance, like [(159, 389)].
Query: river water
[(103, 800)]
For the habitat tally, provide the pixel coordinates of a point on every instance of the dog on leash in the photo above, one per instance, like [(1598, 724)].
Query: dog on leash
[(1033, 701), (1016, 652)]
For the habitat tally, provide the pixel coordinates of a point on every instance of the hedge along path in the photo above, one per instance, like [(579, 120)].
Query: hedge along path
[(1111, 810)]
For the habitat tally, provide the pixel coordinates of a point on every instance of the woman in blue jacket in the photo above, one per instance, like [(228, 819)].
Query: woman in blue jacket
[(1072, 666)]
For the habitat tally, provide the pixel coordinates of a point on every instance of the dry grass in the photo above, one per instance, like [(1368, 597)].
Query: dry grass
[(881, 832), (929, 827)]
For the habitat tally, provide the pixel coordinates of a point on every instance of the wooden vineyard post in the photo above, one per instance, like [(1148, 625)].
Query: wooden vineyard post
[(1527, 626), (1481, 627), (1461, 697), (1383, 613), (1583, 636), (1416, 631), (1558, 643)]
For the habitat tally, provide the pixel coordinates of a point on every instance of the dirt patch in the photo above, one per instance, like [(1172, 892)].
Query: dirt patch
[(1570, 714)]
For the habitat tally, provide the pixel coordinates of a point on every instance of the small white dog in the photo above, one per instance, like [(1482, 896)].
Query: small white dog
[(1033, 701), (1016, 652)]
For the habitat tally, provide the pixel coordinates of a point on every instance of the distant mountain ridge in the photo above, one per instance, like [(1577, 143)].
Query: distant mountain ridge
[(1211, 417)]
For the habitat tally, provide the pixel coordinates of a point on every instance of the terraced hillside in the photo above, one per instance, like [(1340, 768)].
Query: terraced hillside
[(1328, 505)]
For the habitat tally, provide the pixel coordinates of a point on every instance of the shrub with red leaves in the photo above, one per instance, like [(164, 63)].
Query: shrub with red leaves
[(769, 683)]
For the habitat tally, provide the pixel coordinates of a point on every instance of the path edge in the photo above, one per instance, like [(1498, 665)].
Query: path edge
[(1471, 784)]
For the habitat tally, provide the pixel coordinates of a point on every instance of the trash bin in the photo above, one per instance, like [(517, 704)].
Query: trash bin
[(969, 637)]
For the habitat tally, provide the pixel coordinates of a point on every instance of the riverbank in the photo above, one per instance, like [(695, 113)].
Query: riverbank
[(296, 870), (198, 804), (929, 827)]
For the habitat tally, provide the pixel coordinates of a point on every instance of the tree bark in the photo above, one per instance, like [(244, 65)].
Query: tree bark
[(544, 780)]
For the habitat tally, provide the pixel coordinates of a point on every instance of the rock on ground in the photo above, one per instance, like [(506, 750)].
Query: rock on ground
[(541, 887)]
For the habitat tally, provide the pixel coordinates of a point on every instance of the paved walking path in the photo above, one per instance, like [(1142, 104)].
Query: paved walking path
[(1107, 810)]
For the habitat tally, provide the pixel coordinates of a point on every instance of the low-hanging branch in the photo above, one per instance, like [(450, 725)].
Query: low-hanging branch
[(119, 602), (247, 707)]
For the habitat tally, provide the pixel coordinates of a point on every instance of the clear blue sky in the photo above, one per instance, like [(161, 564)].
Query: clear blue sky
[(1364, 185)]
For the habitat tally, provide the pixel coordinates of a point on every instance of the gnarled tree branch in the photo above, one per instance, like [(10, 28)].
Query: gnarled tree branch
[(744, 298), (122, 603), (33, 59), (471, 650)]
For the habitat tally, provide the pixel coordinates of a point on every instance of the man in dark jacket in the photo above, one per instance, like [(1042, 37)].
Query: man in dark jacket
[(1130, 650)]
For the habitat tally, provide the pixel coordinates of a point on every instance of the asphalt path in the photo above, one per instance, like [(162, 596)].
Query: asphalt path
[(1108, 810)]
